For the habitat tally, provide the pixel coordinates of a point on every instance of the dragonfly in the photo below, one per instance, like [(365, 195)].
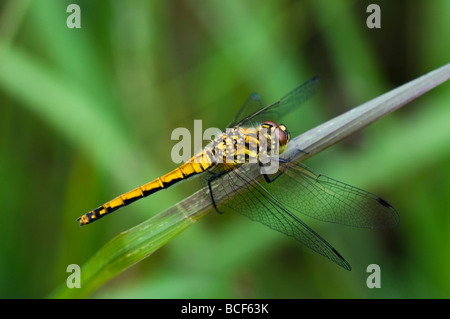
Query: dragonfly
[(278, 199)]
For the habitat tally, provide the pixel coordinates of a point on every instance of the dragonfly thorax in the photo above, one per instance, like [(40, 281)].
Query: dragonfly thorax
[(240, 145)]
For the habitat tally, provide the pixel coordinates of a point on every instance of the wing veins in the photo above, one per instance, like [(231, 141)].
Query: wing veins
[(297, 228)]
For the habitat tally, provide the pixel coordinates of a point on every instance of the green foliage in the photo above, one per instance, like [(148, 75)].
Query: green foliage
[(86, 114)]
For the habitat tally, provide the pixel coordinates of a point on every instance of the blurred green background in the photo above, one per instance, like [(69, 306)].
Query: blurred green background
[(86, 114)]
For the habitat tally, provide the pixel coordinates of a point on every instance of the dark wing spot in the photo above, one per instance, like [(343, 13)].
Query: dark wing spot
[(383, 202)]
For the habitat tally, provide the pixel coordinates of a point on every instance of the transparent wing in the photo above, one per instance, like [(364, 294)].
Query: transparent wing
[(327, 199), (296, 188), (253, 104), (253, 112)]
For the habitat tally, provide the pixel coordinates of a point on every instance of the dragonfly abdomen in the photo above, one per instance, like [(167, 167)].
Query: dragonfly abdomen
[(196, 165)]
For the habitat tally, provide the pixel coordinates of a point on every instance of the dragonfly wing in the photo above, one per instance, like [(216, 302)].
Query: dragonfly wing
[(326, 199), (253, 104), (251, 113), (251, 199)]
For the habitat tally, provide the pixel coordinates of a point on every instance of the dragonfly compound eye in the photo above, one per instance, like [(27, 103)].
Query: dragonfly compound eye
[(283, 135)]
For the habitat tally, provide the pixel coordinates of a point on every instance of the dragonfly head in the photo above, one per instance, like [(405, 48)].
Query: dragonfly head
[(281, 133)]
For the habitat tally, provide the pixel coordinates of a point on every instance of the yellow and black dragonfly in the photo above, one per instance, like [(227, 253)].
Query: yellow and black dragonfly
[(274, 198)]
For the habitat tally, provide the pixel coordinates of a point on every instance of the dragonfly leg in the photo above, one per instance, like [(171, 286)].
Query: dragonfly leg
[(293, 155), (270, 180), (211, 179)]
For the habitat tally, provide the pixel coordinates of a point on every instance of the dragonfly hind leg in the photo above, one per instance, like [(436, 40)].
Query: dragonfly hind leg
[(210, 180), (282, 160)]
